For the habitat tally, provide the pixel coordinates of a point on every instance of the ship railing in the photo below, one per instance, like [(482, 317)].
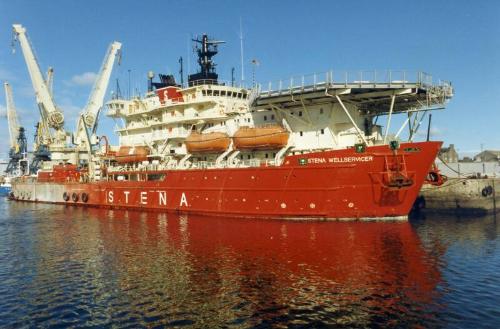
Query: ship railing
[(349, 79), (236, 164), (201, 82), (194, 165), (253, 163)]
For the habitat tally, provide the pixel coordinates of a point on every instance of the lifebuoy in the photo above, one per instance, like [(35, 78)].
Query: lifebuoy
[(74, 197), (85, 197), (66, 196)]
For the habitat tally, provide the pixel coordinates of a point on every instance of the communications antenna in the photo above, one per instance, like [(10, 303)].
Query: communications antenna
[(241, 53)]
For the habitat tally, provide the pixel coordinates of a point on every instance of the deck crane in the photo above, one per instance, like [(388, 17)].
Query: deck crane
[(90, 114), (49, 81), (18, 144), (48, 109)]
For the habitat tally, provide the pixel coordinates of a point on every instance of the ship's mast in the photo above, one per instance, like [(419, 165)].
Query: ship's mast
[(205, 49), (241, 54)]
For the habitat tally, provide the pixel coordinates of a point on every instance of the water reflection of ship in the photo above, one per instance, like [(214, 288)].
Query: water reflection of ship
[(247, 268)]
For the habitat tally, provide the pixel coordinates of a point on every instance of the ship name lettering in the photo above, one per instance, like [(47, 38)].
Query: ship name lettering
[(162, 198), (183, 200), (126, 195), (144, 197), (367, 158), (110, 197), (316, 160)]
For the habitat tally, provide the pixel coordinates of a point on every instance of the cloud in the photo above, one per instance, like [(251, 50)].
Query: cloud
[(84, 79)]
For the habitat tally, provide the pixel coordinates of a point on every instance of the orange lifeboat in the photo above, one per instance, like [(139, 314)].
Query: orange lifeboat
[(267, 137), (209, 142), (127, 154)]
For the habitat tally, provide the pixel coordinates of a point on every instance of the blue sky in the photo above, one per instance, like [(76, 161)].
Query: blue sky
[(453, 40)]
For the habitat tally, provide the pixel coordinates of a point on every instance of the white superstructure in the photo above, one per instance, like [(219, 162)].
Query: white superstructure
[(316, 113), (164, 123)]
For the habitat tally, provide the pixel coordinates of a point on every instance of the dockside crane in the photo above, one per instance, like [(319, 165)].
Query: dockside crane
[(50, 113), (88, 119), (18, 163)]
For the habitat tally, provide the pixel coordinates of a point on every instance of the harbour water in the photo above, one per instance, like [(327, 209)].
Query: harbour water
[(74, 267)]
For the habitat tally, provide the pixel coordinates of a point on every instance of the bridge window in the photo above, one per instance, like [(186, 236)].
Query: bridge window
[(156, 177)]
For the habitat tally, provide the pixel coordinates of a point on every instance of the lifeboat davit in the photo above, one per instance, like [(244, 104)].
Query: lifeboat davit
[(128, 154), (210, 142), (267, 137)]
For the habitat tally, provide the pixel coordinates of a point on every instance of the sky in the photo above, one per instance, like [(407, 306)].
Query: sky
[(454, 40)]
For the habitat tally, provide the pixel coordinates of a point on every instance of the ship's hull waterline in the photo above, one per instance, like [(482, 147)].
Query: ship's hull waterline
[(339, 184)]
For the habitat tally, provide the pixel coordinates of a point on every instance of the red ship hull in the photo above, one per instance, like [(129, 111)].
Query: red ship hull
[(340, 184)]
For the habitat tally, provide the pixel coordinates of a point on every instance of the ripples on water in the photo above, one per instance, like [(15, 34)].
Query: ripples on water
[(64, 266)]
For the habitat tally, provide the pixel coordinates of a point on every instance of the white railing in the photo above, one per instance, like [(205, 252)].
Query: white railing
[(139, 167), (361, 78), (227, 83)]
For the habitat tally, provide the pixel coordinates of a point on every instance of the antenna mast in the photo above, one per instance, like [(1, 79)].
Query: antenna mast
[(241, 53), (181, 71)]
